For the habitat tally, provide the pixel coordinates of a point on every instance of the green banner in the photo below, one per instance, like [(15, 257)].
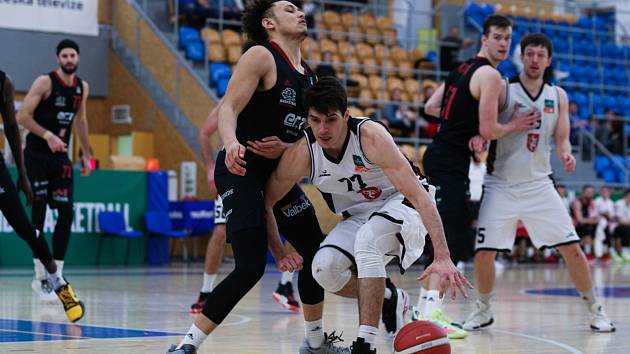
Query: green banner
[(103, 190)]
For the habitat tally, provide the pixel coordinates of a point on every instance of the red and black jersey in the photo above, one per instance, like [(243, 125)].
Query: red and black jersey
[(278, 111), (460, 110), (57, 111)]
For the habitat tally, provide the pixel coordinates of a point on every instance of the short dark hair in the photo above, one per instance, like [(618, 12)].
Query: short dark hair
[(626, 192), (586, 186), (67, 43), (326, 96), (536, 39), (497, 21), (253, 15)]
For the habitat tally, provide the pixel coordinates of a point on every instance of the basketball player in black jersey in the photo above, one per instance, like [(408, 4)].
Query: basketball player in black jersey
[(14, 212), (53, 103), (263, 109), (467, 106)]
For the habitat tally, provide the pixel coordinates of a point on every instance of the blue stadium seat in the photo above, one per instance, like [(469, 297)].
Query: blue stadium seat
[(222, 86), (195, 51), (507, 68), (609, 175), (601, 163), (609, 102), (188, 35), (474, 14), (219, 71)]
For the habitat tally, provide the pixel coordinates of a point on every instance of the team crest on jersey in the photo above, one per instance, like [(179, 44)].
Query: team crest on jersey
[(359, 166), (371, 193), (532, 142), (549, 106), (289, 97), (60, 101)]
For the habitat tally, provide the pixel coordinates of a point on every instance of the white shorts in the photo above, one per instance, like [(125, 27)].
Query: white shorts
[(219, 216), (537, 204), (392, 219)]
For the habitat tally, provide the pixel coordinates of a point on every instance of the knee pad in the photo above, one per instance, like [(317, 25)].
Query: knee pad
[(331, 269), (368, 255)]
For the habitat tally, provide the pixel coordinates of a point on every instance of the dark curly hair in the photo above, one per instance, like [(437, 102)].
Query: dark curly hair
[(253, 15)]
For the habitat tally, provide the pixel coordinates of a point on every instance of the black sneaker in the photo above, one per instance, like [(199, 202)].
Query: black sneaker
[(284, 297), (394, 308), (197, 307), (360, 347), (185, 349)]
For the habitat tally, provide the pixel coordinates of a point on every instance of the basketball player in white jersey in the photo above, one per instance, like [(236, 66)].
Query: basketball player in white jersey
[(518, 187), (388, 210)]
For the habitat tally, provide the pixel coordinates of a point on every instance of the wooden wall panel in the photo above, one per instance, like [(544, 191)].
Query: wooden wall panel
[(158, 59), (105, 12), (194, 101), (125, 20)]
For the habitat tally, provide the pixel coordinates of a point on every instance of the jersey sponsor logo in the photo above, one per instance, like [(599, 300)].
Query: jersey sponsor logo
[(371, 193), (532, 141), (288, 97), (60, 101), (359, 166), (295, 207), (324, 173), (228, 193), (65, 118), (549, 106), (294, 122), (60, 195)]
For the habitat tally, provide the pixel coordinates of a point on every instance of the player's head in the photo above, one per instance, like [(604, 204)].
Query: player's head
[(562, 190), (496, 38), (264, 20), (536, 50), (327, 105), (604, 191), (588, 191), (68, 56)]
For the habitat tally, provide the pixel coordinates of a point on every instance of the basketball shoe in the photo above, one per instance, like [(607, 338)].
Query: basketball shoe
[(439, 318), (480, 318), (197, 307), (360, 347), (327, 347), (185, 349), (599, 320), (284, 297), (394, 308), (44, 290), (73, 307)]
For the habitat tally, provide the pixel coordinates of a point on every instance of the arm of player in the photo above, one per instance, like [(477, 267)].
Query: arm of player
[(209, 127), (38, 90), (12, 132), (293, 166), (380, 148), (577, 212), (562, 131), (433, 107), (254, 68), (486, 81), (81, 126)]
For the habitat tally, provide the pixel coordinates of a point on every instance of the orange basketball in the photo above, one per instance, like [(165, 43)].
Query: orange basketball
[(421, 337)]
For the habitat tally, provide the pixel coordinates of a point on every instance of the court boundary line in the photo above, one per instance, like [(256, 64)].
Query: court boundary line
[(566, 347)]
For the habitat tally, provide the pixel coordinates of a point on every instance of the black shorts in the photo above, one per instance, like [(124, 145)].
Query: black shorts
[(51, 177), (585, 230)]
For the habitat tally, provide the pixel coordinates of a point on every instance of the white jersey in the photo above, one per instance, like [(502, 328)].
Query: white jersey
[(605, 206), (524, 156), (350, 184)]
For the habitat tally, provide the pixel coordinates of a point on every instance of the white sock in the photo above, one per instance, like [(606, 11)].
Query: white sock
[(59, 266), (587, 249), (287, 277), (422, 298), (589, 297), (194, 337), (485, 298), (208, 282), (388, 293), (368, 333), (433, 303), (40, 270), (56, 279), (314, 333)]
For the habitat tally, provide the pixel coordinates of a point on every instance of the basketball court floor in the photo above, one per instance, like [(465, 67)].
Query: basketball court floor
[(144, 310)]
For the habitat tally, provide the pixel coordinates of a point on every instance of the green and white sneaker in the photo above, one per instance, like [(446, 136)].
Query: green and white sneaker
[(441, 319)]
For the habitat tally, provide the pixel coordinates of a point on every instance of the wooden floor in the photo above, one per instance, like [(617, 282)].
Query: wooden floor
[(144, 310)]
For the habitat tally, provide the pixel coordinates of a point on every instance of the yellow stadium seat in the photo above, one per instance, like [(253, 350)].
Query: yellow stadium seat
[(360, 79), (399, 54), (366, 95), (375, 83), (210, 35), (370, 64), (390, 37), (216, 52), (405, 69), (367, 21), (233, 53), (373, 36), (348, 21), (395, 83), (331, 18), (412, 86), (355, 111), (231, 37), (326, 45), (384, 23)]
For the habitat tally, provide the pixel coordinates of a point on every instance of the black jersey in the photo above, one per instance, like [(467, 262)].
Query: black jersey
[(56, 112), (277, 111), (460, 110)]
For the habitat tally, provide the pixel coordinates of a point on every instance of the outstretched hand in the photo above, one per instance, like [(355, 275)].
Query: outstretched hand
[(450, 277), (290, 262)]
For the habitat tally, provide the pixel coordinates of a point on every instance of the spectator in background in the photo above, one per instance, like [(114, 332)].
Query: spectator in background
[(621, 235), (429, 123), (449, 49), (606, 209), (586, 219), (602, 130), (616, 132), (400, 117), (325, 68), (562, 190)]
